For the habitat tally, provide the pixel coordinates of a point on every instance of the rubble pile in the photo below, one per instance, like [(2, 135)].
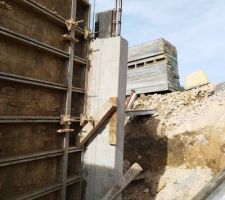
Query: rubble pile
[(178, 108), (181, 147)]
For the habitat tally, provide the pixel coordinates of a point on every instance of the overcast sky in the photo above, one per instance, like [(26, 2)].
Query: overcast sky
[(196, 28)]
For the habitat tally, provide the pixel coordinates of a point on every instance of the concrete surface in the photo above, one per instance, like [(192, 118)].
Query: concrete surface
[(103, 163)]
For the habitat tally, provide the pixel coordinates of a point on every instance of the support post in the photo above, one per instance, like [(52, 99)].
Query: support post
[(102, 161), (68, 102)]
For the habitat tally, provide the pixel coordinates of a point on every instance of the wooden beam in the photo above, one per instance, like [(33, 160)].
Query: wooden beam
[(113, 124), (115, 191), (99, 120)]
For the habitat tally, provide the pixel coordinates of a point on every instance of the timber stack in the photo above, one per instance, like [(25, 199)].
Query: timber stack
[(153, 67)]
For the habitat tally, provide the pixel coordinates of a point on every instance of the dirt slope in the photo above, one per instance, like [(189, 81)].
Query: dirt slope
[(182, 147)]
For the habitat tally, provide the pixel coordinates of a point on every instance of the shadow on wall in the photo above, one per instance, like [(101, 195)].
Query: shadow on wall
[(144, 146)]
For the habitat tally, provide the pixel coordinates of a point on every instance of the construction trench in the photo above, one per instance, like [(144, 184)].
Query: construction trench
[(66, 130)]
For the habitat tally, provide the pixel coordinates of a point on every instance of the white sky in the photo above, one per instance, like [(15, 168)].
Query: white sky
[(196, 28)]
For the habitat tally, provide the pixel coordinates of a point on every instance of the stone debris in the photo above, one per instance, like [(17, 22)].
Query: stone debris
[(181, 147), (178, 108)]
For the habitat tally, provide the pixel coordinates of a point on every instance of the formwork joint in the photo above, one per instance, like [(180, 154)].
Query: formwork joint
[(67, 37), (66, 120), (70, 24)]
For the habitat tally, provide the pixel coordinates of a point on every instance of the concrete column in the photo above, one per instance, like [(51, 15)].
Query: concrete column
[(103, 163)]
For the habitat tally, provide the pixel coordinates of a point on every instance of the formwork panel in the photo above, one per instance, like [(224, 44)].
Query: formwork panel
[(77, 104), (35, 91), (79, 72), (82, 14), (80, 49), (23, 100), (31, 24), (59, 7), (73, 192), (53, 196), (30, 62), (20, 139), (74, 163), (28, 177)]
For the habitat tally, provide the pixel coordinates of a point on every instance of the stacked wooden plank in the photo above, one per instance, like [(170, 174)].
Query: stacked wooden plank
[(153, 67)]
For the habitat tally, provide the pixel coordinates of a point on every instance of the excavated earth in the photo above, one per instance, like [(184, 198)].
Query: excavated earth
[(181, 148)]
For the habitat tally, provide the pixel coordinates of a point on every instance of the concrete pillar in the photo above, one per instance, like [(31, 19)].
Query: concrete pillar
[(103, 163)]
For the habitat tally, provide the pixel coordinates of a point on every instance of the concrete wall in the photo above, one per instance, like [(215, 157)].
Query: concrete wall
[(103, 163)]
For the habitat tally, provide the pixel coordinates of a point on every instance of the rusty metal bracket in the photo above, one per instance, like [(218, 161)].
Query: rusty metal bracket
[(66, 120), (4, 5), (65, 130), (84, 120), (67, 37), (88, 34), (70, 24)]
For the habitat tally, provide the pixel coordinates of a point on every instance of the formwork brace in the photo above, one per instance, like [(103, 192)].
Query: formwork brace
[(70, 24), (37, 82), (41, 46), (33, 119), (90, 129), (35, 156)]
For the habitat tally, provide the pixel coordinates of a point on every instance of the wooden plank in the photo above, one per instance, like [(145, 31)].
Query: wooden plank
[(115, 191), (112, 129), (113, 124), (90, 129)]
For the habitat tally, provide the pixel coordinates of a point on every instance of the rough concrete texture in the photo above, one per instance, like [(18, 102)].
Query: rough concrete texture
[(103, 163), (182, 147)]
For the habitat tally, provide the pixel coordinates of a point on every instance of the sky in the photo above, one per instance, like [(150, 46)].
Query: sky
[(196, 28)]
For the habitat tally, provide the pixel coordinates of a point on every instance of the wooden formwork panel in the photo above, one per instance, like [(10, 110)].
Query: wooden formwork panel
[(80, 48), (26, 177), (23, 100), (77, 105), (19, 18), (35, 90), (53, 196), (79, 72), (59, 7), (72, 192), (82, 13), (30, 62), (20, 139)]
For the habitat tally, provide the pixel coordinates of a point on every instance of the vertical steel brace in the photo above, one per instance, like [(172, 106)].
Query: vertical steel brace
[(68, 102)]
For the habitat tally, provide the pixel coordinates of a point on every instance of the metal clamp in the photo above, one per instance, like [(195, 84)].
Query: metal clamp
[(84, 120), (66, 120), (67, 37), (70, 24), (87, 34)]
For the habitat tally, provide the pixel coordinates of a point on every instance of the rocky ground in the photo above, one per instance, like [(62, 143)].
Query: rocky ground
[(181, 147)]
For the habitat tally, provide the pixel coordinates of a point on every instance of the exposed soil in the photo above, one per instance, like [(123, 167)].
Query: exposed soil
[(180, 148)]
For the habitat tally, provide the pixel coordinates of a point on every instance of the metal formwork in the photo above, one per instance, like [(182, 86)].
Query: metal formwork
[(43, 62)]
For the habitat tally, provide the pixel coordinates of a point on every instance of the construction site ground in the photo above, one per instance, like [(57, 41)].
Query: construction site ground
[(181, 148)]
